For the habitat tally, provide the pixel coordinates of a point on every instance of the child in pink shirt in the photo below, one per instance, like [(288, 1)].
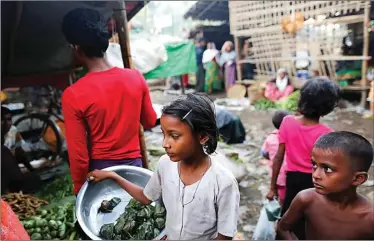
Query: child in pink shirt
[(297, 135), (270, 148)]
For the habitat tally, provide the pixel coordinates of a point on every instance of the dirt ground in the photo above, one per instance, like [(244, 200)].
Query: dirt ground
[(254, 185)]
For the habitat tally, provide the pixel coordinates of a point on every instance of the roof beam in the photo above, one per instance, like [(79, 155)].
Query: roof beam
[(207, 9)]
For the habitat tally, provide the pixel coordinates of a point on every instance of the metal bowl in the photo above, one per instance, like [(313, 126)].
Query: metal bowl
[(92, 194)]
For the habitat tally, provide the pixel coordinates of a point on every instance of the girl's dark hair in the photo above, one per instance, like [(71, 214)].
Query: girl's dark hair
[(198, 111), (87, 29), (318, 97), (278, 117)]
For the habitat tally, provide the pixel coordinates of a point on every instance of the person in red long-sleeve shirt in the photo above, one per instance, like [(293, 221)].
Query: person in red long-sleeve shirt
[(104, 109)]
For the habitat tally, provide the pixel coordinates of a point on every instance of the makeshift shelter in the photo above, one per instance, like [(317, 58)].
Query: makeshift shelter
[(285, 33), (217, 11), (209, 10), (34, 50)]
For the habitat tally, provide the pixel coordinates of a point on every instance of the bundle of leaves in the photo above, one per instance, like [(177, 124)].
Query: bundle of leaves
[(138, 222)]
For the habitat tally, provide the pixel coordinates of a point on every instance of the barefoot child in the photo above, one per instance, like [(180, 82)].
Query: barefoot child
[(333, 209), (270, 148), (201, 197), (297, 135)]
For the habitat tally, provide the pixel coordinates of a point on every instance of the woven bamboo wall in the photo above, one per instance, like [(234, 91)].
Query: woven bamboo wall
[(272, 48)]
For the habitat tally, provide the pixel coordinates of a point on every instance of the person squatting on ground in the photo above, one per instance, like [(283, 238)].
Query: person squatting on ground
[(280, 87), (201, 197), (333, 209), (270, 148), (104, 109), (297, 135), (12, 178), (13, 139)]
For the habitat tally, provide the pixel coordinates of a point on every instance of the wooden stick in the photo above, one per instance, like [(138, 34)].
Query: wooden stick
[(238, 66), (365, 52), (317, 58), (123, 36)]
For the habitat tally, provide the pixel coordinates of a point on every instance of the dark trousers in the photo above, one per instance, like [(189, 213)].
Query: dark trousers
[(200, 78), (104, 163), (295, 183)]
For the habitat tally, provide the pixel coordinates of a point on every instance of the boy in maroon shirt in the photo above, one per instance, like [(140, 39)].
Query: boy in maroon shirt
[(333, 209), (104, 109)]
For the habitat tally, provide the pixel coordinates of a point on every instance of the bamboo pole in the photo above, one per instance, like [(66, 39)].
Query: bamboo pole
[(238, 65), (124, 41), (365, 52)]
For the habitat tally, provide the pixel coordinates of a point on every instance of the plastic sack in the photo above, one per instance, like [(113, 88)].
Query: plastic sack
[(236, 169), (273, 210), (265, 227), (146, 55)]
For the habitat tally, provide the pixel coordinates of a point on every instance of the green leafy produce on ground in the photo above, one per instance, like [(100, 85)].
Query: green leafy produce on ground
[(264, 104), (138, 222), (290, 102), (58, 189), (57, 222)]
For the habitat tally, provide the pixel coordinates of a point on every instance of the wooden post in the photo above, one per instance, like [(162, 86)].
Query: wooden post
[(13, 35), (124, 41), (365, 52), (238, 65)]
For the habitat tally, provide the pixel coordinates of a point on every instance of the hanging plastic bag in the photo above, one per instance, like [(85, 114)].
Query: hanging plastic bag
[(265, 227), (273, 210)]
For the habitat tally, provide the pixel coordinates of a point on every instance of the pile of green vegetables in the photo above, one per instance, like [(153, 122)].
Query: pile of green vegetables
[(264, 104), (53, 223), (138, 222), (58, 189), (290, 102)]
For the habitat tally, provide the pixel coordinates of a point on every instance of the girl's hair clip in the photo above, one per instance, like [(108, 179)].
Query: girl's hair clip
[(185, 116)]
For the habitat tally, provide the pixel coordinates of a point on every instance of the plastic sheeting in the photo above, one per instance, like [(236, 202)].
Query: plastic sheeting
[(181, 60), (146, 55)]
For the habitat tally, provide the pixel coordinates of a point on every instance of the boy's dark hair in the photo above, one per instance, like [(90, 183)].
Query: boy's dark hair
[(318, 97), (5, 111), (198, 111), (278, 117), (87, 29), (358, 150)]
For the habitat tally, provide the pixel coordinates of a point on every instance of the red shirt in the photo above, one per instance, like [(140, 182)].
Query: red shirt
[(113, 103)]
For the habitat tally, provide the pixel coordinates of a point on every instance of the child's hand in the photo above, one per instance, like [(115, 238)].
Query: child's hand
[(98, 175), (271, 194)]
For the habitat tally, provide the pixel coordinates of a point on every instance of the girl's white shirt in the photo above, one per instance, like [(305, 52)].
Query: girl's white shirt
[(214, 209)]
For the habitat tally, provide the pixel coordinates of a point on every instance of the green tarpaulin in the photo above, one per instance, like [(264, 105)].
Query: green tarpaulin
[(181, 60)]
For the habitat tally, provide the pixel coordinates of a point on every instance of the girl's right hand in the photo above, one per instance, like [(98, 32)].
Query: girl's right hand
[(99, 175), (272, 194)]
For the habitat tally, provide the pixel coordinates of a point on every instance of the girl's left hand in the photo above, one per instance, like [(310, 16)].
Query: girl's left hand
[(98, 175), (271, 194)]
